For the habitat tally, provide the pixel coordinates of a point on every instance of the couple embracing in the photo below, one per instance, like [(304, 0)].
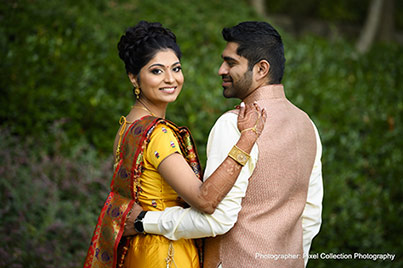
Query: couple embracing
[(261, 191)]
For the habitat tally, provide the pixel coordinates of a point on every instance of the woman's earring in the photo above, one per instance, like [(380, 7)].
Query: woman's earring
[(136, 91)]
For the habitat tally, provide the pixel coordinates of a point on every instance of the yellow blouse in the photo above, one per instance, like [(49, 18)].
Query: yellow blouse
[(148, 250)]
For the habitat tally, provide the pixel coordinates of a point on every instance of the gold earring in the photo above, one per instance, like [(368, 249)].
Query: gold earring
[(136, 92)]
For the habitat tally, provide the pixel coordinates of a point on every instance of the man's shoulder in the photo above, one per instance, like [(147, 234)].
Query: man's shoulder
[(226, 123), (224, 134), (297, 111), (229, 117)]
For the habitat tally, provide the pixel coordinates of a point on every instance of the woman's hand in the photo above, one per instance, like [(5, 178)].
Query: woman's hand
[(207, 195), (251, 120)]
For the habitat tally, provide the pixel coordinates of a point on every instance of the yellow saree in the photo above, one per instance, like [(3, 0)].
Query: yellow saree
[(108, 248)]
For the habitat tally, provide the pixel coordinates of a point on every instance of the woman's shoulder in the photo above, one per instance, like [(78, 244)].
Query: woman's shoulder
[(161, 128), (143, 125)]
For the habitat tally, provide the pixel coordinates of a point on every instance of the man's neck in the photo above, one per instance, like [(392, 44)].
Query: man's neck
[(265, 92)]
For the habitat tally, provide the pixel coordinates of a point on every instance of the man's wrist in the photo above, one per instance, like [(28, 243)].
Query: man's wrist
[(151, 222), (138, 223)]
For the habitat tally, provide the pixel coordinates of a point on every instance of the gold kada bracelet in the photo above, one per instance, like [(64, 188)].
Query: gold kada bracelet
[(239, 155)]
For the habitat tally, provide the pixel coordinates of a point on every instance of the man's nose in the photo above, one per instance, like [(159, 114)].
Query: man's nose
[(223, 69)]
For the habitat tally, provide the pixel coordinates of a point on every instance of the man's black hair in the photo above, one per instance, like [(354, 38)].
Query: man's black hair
[(259, 41)]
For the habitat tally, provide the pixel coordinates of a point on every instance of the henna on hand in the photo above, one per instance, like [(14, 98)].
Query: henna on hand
[(251, 120), (217, 186), (207, 195)]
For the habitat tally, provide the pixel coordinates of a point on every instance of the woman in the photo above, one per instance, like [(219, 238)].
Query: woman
[(156, 164)]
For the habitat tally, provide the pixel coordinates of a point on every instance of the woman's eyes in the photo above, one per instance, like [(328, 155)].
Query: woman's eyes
[(176, 69), (156, 71)]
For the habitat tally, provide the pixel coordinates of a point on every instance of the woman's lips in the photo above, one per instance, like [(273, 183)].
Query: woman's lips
[(168, 90)]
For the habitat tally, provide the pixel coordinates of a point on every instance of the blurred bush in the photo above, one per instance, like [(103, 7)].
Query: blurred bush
[(64, 88), (357, 104), (51, 198)]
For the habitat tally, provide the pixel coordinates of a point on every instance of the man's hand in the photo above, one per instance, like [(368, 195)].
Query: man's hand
[(129, 224)]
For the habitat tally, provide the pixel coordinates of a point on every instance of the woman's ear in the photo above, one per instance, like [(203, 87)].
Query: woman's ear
[(133, 79), (262, 70)]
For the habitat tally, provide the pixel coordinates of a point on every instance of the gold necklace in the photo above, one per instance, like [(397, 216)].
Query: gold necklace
[(144, 108)]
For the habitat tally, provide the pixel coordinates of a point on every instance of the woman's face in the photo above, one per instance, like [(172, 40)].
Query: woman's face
[(161, 79)]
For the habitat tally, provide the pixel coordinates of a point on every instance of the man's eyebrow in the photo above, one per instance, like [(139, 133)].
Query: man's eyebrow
[(226, 58)]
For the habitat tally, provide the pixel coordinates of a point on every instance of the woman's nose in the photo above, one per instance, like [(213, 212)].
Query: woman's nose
[(169, 77)]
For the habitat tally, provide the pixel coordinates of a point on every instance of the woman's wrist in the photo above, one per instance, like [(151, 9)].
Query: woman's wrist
[(246, 141), (239, 155)]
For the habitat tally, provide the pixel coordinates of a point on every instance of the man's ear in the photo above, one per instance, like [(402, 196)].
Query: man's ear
[(133, 79), (262, 70)]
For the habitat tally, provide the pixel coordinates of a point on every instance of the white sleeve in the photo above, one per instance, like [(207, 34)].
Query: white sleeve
[(176, 222), (312, 215)]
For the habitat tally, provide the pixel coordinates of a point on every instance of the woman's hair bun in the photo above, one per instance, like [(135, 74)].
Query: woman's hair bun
[(140, 44)]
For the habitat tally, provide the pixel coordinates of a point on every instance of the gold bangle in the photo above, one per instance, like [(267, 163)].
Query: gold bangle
[(239, 155)]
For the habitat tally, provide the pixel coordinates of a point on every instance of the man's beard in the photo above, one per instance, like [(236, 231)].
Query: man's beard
[(240, 88)]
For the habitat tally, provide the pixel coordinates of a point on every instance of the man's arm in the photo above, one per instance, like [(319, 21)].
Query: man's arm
[(176, 222), (312, 215)]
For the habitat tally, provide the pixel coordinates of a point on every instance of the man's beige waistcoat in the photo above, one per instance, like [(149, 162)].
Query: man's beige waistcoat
[(268, 232)]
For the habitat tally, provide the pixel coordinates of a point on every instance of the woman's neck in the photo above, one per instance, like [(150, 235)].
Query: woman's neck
[(151, 109)]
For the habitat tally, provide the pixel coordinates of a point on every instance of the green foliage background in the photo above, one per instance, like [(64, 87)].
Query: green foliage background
[(63, 89)]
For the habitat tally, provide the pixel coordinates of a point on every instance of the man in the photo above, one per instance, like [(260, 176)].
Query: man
[(281, 206)]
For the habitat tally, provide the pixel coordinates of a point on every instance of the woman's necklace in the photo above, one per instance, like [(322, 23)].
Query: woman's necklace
[(144, 108)]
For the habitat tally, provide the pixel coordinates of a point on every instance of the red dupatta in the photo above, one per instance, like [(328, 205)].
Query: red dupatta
[(107, 238)]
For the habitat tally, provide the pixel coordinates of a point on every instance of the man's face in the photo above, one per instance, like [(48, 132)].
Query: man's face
[(237, 79)]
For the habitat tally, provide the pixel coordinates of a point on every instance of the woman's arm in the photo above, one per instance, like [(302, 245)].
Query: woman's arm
[(206, 196)]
